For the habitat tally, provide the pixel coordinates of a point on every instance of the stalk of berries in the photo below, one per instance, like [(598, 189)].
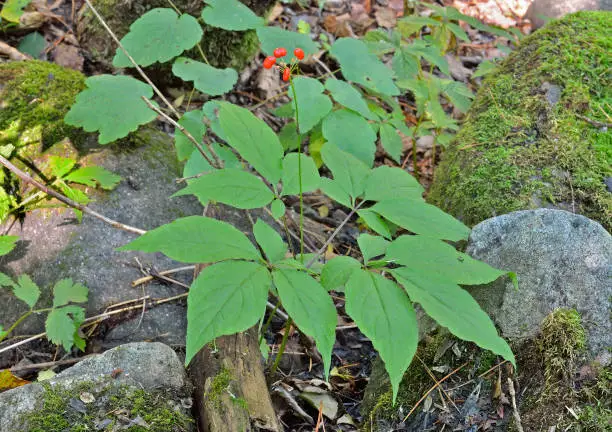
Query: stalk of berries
[(281, 52)]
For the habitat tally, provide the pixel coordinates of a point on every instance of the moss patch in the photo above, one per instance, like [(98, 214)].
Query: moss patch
[(114, 407), (517, 149)]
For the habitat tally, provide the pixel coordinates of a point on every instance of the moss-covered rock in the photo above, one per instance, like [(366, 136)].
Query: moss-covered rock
[(527, 142), (222, 48)]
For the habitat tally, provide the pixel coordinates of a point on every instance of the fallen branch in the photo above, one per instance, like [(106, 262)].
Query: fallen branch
[(26, 178), (13, 53), (594, 122), (517, 417)]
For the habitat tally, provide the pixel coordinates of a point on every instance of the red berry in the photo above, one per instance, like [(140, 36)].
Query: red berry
[(286, 74), (280, 52), (269, 62), (299, 53)]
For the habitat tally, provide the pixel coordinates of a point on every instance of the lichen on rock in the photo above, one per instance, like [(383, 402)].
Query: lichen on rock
[(527, 141)]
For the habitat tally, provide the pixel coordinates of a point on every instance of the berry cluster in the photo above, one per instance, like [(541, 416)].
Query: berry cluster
[(280, 52)]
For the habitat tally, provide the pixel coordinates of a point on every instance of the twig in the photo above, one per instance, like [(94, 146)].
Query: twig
[(517, 417), (331, 238), (13, 53), (432, 389), (51, 364), (161, 273), (26, 178), (433, 377), (140, 71), (594, 122), (280, 390), (217, 163)]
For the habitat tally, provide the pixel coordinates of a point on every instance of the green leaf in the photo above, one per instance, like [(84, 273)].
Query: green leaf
[(290, 178), (230, 186), (362, 67), (7, 243), (196, 239), (484, 68), (93, 175), (288, 136), (352, 134), (411, 24), (62, 325), (375, 222), (349, 172), (349, 97), (33, 44), (405, 64), (313, 105), (60, 166), (226, 298), (277, 208), (419, 89), (274, 37), (372, 246), (230, 15), (112, 105), (207, 79), (253, 139), (13, 9), (391, 141), (158, 36), (312, 309), (6, 281), (336, 272), (193, 122), (2, 332), (211, 111), (196, 164), (388, 183), (431, 256), (422, 218), (458, 94), (458, 32), (335, 191), (284, 111), (271, 243), (385, 315), (315, 145), (453, 308), (26, 290), (420, 48), (66, 291)]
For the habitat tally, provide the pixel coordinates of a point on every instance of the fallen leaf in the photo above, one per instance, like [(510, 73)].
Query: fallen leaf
[(386, 17), (68, 56), (45, 375), (330, 405), (276, 11), (9, 381)]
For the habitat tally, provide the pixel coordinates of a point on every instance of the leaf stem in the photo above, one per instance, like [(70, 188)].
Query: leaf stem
[(281, 350), (299, 142), (15, 324)]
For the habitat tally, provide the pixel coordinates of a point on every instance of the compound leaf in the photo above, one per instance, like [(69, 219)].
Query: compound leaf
[(206, 78), (253, 139), (66, 291), (230, 15), (93, 175), (226, 298), (422, 218), (112, 105), (453, 308), (230, 186), (313, 104), (158, 36), (352, 134), (196, 239), (60, 166), (271, 243), (290, 178), (385, 315), (362, 67), (312, 309)]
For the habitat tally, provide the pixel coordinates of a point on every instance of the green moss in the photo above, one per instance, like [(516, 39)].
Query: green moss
[(111, 403), (34, 97), (219, 385), (516, 150)]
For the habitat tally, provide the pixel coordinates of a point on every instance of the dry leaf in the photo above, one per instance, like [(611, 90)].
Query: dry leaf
[(9, 381), (68, 56), (386, 17)]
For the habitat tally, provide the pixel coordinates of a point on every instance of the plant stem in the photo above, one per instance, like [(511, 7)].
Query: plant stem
[(15, 324), (281, 350), (299, 142)]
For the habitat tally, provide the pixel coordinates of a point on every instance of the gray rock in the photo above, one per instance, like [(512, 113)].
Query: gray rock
[(152, 367), (552, 9), (562, 260), (53, 245)]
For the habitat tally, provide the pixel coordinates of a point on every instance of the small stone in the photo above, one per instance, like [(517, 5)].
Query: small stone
[(87, 397)]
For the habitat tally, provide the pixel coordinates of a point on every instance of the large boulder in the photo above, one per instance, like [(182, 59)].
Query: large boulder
[(222, 48), (540, 10), (562, 260), (139, 386), (534, 137)]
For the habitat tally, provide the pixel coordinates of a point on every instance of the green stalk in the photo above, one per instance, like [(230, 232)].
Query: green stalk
[(299, 142), (15, 324), (281, 350)]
